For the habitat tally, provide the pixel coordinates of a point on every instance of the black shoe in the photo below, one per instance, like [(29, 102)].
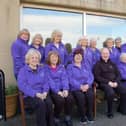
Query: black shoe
[(110, 115), (90, 119), (68, 121), (83, 120)]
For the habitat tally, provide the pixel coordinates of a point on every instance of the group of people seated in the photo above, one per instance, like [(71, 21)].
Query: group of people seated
[(53, 80)]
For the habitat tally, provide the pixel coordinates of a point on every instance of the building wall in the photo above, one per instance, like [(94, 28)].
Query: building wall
[(106, 6), (9, 26)]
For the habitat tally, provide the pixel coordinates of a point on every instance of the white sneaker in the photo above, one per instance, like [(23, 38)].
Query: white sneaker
[(1, 116)]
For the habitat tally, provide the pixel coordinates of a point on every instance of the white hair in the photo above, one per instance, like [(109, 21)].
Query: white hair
[(30, 53)]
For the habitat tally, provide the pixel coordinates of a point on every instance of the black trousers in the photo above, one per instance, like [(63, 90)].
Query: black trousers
[(43, 110), (61, 103), (84, 102), (110, 93)]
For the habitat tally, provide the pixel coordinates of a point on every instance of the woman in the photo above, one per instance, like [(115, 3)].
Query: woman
[(94, 50), (83, 44), (114, 54), (118, 42), (18, 50), (122, 67), (57, 45), (59, 87), (68, 47), (81, 79), (37, 42), (33, 83)]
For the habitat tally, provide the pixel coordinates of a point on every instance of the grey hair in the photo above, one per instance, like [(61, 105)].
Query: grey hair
[(54, 34), (37, 36)]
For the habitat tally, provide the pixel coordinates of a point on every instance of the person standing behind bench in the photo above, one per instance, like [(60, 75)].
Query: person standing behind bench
[(57, 45), (18, 50), (37, 43)]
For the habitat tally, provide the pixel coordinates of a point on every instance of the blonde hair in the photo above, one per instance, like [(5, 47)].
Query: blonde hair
[(30, 53), (54, 33), (122, 56), (24, 30), (39, 36)]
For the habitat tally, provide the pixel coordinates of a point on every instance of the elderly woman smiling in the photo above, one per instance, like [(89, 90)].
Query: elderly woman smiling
[(57, 45), (37, 43), (32, 82)]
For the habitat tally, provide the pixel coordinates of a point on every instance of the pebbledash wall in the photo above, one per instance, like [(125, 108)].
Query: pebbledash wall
[(10, 20)]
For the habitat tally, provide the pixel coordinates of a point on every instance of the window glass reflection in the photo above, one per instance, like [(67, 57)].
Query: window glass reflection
[(45, 21), (103, 27)]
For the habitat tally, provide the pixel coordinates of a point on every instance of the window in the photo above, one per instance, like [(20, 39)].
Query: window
[(103, 27), (73, 25), (45, 21)]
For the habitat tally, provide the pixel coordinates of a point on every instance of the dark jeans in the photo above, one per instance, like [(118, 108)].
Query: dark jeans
[(84, 102), (61, 103), (43, 110), (110, 93)]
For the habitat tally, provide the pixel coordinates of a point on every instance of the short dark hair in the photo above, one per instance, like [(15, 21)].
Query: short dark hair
[(78, 51)]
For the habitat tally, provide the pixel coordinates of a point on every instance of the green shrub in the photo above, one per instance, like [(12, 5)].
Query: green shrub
[(11, 89)]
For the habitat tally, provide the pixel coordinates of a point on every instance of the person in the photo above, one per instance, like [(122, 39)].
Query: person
[(59, 87), (118, 49), (37, 42), (18, 50), (33, 83), (81, 80), (118, 42), (113, 52), (94, 50), (123, 47), (88, 56), (57, 45), (68, 47), (108, 77), (122, 68), (47, 41)]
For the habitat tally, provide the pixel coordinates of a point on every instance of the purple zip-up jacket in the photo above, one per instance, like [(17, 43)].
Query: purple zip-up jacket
[(96, 55), (123, 48), (18, 50), (57, 79), (114, 55), (41, 49), (61, 51), (31, 82), (79, 76), (122, 69)]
